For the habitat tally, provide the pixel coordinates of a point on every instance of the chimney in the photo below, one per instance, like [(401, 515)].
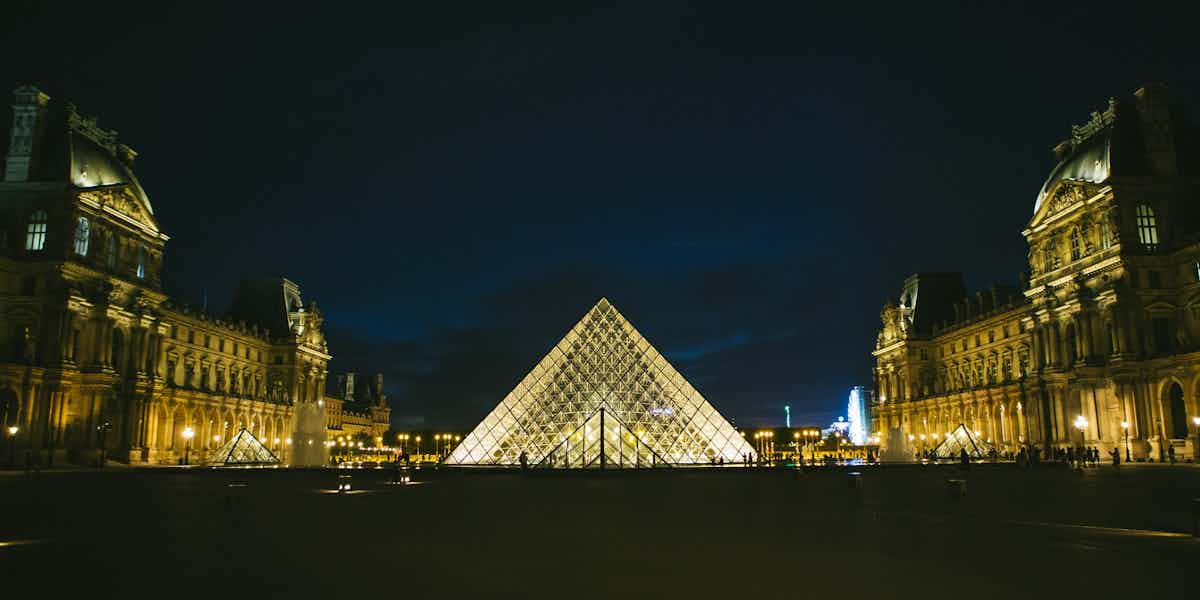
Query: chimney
[(379, 397), (349, 389), (985, 302), (1154, 115), (29, 120)]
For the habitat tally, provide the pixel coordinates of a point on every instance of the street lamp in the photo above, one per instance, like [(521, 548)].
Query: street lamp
[(188, 433), (12, 436), (1080, 424), (1196, 443), (796, 442), (288, 442), (1125, 428)]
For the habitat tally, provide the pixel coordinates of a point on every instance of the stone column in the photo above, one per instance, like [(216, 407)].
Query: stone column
[(1089, 347)]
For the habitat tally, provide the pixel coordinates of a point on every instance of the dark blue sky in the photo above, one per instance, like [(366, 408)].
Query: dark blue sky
[(456, 185)]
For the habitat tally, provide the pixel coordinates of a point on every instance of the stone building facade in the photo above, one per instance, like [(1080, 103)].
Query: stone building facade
[(1101, 344), (94, 357), (356, 408)]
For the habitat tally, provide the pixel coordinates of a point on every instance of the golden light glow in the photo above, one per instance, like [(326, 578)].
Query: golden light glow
[(188, 432), (13, 429)]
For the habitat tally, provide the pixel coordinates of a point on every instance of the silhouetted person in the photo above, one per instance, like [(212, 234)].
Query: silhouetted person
[(1171, 453), (524, 458), (964, 459), (1116, 458)]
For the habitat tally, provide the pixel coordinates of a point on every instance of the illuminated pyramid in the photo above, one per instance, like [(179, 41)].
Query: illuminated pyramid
[(962, 439), (242, 449), (602, 398)]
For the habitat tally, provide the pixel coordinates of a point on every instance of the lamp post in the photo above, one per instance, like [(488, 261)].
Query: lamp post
[(287, 442), (1125, 428), (188, 433), (12, 437), (1196, 442), (1080, 424), (418, 440), (796, 442)]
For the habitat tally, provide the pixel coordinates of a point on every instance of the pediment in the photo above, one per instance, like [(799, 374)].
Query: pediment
[(120, 200), (1064, 196)]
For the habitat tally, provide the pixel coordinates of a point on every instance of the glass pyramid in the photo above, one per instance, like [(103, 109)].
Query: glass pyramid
[(958, 439), (242, 449), (602, 398)]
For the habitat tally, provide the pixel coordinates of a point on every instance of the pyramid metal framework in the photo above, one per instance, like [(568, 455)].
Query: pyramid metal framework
[(603, 397), (243, 449), (959, 439)]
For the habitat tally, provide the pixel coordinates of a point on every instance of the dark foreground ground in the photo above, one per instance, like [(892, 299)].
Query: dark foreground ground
[(681, 534)]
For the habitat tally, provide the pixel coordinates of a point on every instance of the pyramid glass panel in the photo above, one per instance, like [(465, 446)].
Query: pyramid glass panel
[(603, 397), (959, 439), (242, 450)]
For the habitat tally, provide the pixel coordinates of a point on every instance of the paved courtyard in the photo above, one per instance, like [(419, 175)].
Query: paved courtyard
[(684, 533)]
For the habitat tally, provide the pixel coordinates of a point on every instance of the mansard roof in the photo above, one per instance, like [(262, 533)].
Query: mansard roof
[(74, 149), (1113, 143)]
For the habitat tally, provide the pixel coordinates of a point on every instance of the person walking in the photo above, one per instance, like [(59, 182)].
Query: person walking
[(1171, 453), (1116, 459), (524, 458)]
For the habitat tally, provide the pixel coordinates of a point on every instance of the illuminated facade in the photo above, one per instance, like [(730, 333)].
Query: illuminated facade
[(602, 398), (858, 414), (1107, 326), (93, 354)]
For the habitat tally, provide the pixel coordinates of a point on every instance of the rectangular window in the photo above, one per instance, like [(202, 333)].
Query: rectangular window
[(1006, 332), (1155, 279), (1163, 338), (141, 263), (235, 348), (1105, 235), (221, 345), (82, 235), (977, 344), (174, 332), (991, 335), (207, 341), (192, 337), (35, 235), (1196, 266), (1147, 227)]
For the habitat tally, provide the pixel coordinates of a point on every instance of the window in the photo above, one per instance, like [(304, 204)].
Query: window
[(1147, 228), (35, 236), (1155, 279), (1196, 266), (192, 337), (1163, 334), (221, 345), (174, 332), (1076, 244), (141, 263), (111, 249), (1105, 235), (991, 335), (82, 233), (1006, 331), (208, 341), (977, 344), (1050, 256)]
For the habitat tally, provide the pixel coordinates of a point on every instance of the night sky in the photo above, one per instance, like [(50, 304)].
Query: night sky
[(457, 184)]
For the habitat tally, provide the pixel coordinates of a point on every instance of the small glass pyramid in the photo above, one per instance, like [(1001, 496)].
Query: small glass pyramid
[(959, 439), (603, 398), (242, 449)]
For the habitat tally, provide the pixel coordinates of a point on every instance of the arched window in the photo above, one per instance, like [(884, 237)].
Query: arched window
[(35, 236), (1147, 228), (1105, 235), (141, 262), (83, 232), (1076, 244)]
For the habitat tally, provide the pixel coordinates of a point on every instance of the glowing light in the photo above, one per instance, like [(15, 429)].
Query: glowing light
[(1080, 423), (856, 409), (1124, 424), (13, 429), (188, 432)]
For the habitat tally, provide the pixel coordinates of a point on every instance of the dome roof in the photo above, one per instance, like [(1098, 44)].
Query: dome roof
[(1089, 161)]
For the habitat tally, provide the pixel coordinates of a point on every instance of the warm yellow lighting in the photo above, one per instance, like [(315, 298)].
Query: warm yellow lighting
[(1196, 420), (1080, 423), (188, 432), (13, 429), (1124, 424), (935, 436), (216, 438), (289, 441), (910, 437), (922, 437), (977, 433)]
